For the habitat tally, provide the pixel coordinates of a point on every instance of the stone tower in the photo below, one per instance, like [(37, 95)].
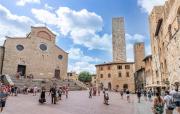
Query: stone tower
[(118, 40), (139, 55)]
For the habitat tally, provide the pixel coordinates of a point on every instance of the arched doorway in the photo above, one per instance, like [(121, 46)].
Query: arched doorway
[(109, 85), (125, 87)]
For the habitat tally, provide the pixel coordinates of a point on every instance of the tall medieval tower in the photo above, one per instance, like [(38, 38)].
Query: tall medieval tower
[(118, 40), (139, 54)]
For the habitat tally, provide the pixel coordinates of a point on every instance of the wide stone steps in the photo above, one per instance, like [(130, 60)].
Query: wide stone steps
[(73, 85)]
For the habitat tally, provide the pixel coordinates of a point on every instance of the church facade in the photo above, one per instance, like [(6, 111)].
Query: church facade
[(36, 55)]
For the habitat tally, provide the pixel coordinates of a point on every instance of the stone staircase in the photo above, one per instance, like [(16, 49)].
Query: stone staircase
[(73, 85)]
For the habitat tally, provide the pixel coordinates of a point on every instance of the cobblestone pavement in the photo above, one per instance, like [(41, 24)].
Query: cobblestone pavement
[(77, 103)]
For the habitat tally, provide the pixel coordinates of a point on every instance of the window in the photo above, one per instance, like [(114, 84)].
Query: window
[(127, 74), (157, 73), (119, 67), (157, 82), (101, 68), (119, 74), (109, 68), (60, 57), (109, 75), (43, 47), (101, 75), (19, 47), (127, 66)]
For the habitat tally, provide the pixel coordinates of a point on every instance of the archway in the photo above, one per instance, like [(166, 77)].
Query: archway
[(125, 87), (109, 85)]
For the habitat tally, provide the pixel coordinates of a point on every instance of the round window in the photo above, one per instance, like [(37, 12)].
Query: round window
[(19, 47), (60, 57), (43, 47)]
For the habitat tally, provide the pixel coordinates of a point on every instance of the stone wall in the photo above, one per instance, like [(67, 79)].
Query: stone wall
[(1, 57), (139, 54), (41, 64), (116, 75), (118, 40), (162, 42)]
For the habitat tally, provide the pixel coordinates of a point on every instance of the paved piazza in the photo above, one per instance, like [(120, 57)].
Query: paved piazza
[(77, 103)]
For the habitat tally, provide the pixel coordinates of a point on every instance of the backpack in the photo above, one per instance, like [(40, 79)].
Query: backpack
[(171, 105)]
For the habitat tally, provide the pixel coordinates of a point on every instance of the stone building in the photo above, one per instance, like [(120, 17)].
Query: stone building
[(139, 78), (139, 54), (36, 54), (165, 39), (118, 74), (118, 40), (72, 76), (149, 77)]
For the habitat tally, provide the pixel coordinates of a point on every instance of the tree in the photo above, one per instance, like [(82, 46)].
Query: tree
[(85, 76)]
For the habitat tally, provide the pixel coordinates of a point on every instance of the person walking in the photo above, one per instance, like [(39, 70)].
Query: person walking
[(53, 95), (121, 92), (158, 104), (169, 105), (128, 95), (3, 97), (106, 97), (66, 91), (150, 95), (90, 92), (139, 95), (35, 90), (145, 95), (42, 98), (176, 98)]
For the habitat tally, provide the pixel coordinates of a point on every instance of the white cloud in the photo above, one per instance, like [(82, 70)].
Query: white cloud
[(11, 24), (77, 54), (82, 26), (48, 7), (82, 61), (24, 2), (82, 66), (147, 5)]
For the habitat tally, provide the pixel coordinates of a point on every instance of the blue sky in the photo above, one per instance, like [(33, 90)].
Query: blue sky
[(83, 27)]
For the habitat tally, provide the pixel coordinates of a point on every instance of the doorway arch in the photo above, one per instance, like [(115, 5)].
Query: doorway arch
[(109, 85), (125, 87)]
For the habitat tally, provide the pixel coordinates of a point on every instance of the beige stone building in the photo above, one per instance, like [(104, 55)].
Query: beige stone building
[(149, 77), (165, 39), (72, 76), (118, 74), (36, 54)]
